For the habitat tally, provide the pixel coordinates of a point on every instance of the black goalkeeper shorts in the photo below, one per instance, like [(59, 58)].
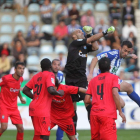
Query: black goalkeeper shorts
[(79, 82)]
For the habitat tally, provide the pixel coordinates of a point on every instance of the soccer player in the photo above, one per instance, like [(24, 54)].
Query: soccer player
[(75, 68), (62, 109), (10, 90), (116, 56), (105, 98), (39, 109), (59, 75)]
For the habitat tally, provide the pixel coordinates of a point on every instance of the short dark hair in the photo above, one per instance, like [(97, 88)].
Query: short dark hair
[(19, 63), (55, 60), (104, 64), (45, 64), (127, 43)]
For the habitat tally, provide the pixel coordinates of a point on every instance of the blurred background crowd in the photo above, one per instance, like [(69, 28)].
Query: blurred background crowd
[(33, 29)]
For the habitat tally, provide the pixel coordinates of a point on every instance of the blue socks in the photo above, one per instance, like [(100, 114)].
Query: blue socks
[(134, 96), (59, 134)]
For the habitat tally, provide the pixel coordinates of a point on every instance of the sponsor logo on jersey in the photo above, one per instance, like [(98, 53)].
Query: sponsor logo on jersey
[(58, 101), (14, 90), (81, 54), (104, 55), (79, 39), (0, 80), (52, 79)]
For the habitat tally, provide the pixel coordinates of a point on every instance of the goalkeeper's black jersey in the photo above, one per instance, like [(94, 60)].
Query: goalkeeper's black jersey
[(77, 58)]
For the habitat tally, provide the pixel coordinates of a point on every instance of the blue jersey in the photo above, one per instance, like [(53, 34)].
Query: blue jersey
[(60, 76), (114, 57)]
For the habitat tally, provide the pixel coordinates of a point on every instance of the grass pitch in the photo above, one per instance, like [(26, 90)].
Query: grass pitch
[(83, 135)]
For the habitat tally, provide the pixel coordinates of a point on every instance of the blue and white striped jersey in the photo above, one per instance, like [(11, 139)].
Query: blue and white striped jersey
[(114, 57), (60, 76)]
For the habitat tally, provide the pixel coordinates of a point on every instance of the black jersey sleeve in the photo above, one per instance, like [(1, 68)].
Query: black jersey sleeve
[(89, 48), (79, 42)]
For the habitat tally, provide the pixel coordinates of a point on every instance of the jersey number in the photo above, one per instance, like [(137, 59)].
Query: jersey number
[(38, 89), (100, 88)]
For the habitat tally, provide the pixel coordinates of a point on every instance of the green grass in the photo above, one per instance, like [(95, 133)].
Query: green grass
[(83, 135)]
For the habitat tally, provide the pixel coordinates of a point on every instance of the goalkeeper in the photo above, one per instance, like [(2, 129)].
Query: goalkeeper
[(75, 68)]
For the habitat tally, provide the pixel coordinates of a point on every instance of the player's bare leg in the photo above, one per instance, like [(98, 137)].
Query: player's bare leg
[(126, 87), (3, 127), (20, 131), (71, 137)]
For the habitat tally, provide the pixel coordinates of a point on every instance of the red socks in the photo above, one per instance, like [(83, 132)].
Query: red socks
[(36, 137), (0, 134), (19, 136)]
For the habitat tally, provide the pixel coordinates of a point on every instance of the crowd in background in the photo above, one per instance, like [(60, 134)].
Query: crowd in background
[(121, 16)]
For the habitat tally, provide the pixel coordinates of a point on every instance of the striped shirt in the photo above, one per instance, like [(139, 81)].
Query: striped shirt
[(46, 8)]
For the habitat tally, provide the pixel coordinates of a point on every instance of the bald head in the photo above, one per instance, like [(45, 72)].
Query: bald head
[(77, 34)]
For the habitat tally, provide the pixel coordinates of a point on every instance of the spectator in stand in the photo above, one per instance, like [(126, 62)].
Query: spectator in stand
[(74, 13), (131, 66), (37, 1), (129, 27), (62, 13), (135, 77), (128, 12), (88, 18), (103, 47), (114, 10), (132, 37), (117, 26), (17, 49), (19, 37), (21, 5), (33, 26), (46, 12), (4, 64), (60, 33), (26, 71), (63, 60), (101, 26), (73, 26), (33, 43), (5, 49)]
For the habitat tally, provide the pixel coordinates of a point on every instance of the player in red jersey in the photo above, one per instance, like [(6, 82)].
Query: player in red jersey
[(10, 90), (105, 98), (62, 109), (43, 88)]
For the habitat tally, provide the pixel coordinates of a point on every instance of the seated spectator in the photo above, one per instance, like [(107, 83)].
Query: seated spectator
[(101, 26), (117, 26), (131, 66), (63, 60), (62, 13), (128, 12), (35, 1), (115, 10), (26, 71), (21, 5), (60, 33), (89, 18), (74, 13), (103, 47), (33, 26), (33, 43), (132, 37), (73, 26), (4, 64), (5, 49), (135, 77), (129, 27), (46, 12), (19, 37), (17, 49)]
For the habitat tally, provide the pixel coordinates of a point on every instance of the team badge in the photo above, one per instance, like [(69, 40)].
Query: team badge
[(52, 79), (49, 128), (3, 117), (79, 39), (0, 80), (85, 47)]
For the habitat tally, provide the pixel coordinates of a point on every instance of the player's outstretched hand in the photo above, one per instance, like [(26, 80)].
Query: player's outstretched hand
[(123, 117), (90, 76), (23, 101), (110, 30), (134, 56), (87, 29), (61, 92)]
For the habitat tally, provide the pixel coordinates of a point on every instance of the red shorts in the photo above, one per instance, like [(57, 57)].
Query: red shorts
[(66, 125), (103, 128), (14, 115), (41, 125)]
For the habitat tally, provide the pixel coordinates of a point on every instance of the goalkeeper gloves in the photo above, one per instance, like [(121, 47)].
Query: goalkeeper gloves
[(110, 30)]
